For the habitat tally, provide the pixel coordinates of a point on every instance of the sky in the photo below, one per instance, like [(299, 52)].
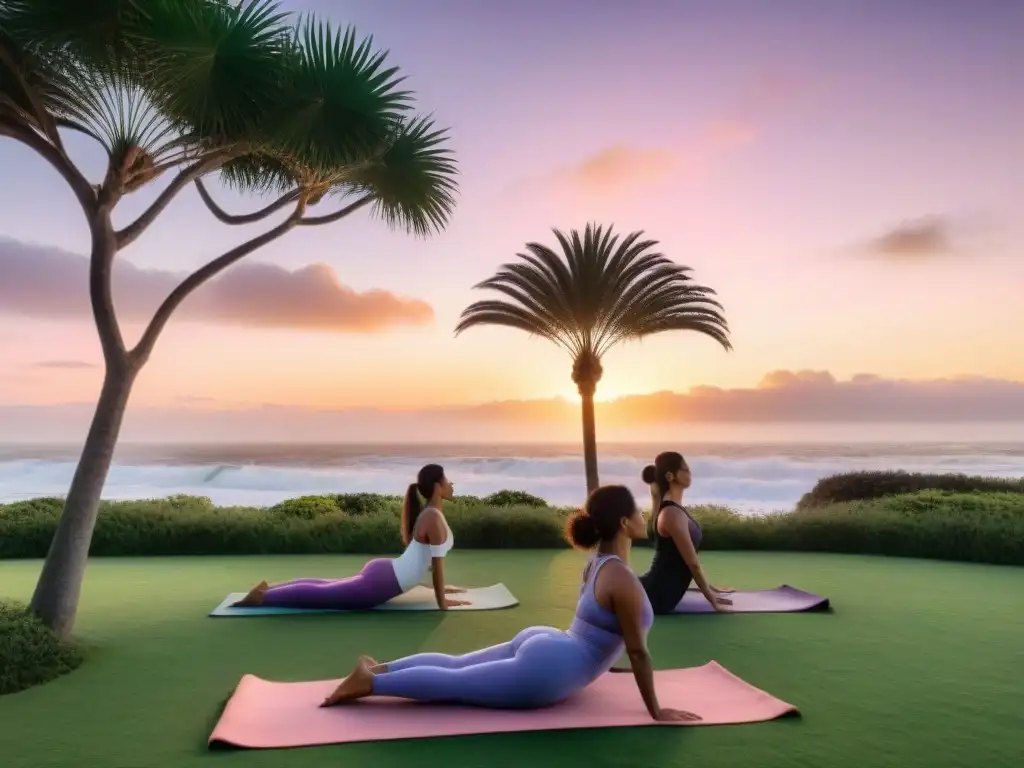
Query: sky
[(848, 176)]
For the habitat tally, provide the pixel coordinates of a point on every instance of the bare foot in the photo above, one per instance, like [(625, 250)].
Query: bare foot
[(357, 685), (255, 596), (375, 666)]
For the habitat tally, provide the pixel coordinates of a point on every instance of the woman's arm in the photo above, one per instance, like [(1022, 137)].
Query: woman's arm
[(627, 600), (436, 534), (678, 527), (627, 605), (437, 573)]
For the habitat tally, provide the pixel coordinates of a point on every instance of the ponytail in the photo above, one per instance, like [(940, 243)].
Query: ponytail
[(426, 486), (652, 521), (411, 509), (656, 476), (650, 476)]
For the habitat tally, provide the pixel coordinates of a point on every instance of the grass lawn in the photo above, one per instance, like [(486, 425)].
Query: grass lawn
[(920, 665)]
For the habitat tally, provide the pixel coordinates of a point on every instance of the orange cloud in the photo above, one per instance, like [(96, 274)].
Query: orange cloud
[(780, 379), (48, 282), (622, 167), (791, 397)]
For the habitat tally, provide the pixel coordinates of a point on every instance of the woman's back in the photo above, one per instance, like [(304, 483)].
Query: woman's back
[(595, 624), (411, 565), (668, 578)]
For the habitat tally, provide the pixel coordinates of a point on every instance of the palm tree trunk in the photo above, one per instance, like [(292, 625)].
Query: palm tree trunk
[(589, 440), (56, 597)]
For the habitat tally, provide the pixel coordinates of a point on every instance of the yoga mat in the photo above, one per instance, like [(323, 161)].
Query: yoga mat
[(267, 715), (784, 599), (418, 598)]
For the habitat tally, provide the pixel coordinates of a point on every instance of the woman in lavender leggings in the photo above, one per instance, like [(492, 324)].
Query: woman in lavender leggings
[(427, 540), (542, 666)]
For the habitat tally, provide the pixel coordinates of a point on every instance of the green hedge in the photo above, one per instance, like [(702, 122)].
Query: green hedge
[(976, 527), (861, 486), (30, 654)]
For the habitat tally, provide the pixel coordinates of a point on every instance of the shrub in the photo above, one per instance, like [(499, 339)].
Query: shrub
[(46, 507), (972, 527), (183, 501), (30, 654), (307, 507), (367, 503), (976, 527), (859, 486), (514, 499)]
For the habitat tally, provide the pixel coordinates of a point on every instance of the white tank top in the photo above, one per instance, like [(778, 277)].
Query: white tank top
[(411, 566)]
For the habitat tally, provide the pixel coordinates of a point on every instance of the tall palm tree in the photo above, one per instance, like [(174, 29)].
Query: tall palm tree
[(179, 90), (597, 292)]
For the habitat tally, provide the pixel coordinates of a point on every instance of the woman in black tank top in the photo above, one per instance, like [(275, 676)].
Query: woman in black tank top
[(677, 538)]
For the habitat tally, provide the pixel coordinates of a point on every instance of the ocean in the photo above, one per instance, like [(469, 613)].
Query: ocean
[(749, 478)]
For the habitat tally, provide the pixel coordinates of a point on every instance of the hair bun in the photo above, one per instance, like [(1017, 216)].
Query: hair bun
[(650, 474), (582, 530)]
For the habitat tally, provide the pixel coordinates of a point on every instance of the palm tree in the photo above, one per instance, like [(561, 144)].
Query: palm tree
[(597, 293), (182, 90)]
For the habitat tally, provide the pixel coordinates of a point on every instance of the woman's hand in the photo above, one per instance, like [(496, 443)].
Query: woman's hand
[(452, 604), (721, 604), (453, 590), (676, 716)]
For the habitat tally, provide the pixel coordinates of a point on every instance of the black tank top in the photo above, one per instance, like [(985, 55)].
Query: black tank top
[(669, 576)]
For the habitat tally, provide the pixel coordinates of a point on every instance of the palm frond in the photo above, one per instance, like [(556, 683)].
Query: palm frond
[(536, 284), (261, 174), (508, 315), (341, 104), (94, 32), (599, 291), (111, 106), (413, 182), (26, 79), (284, 104), (217, 69)]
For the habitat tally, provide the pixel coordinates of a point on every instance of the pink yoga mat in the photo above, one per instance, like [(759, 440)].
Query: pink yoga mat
[(266, 715)]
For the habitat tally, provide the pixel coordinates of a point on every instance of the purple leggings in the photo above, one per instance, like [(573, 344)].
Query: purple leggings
[(374, 585)]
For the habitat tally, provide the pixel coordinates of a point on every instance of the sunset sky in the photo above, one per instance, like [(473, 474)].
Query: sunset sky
[(849, 176)]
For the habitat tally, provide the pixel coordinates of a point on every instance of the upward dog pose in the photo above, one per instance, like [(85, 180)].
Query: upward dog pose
[(542, 665), (677, 538), (427, 540)]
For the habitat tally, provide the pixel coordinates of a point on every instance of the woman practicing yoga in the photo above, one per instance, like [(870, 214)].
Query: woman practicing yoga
[(427, 540), (677, 539), (542, 666)]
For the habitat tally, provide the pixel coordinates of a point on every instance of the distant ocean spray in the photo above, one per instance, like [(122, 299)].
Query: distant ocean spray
[(760, 478)]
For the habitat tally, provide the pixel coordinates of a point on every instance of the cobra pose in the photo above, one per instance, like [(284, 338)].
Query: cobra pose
[(677, 538), (542, 666), (427, 539)]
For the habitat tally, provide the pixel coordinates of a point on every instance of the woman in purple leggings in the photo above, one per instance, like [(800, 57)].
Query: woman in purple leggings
[(427, 539), (542, 666)]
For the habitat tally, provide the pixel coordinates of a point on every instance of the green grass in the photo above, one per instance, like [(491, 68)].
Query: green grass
[(919, 665)]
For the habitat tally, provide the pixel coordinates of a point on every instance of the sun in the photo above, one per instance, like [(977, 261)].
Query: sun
[(611, 387), (573, 396)]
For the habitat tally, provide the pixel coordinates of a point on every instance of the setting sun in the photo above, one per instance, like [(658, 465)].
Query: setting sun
[(604, 395)]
